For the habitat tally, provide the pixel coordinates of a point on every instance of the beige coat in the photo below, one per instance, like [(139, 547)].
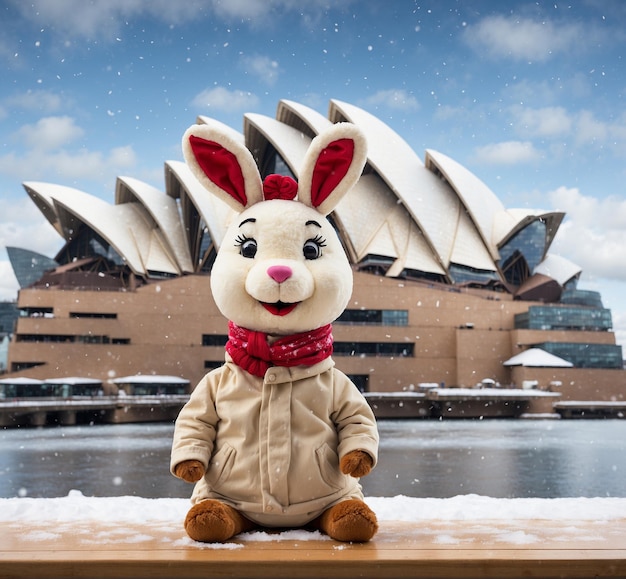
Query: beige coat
[(272, 446)]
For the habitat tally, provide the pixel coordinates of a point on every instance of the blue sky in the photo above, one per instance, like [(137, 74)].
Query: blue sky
[(527, 95)]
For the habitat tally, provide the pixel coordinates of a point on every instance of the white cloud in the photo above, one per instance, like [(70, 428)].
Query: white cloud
[(531, 91), (522, 38), (589, 129), (447, 112), (265, 11), (122, 157), (582, 128), (104, 19), (262, 67), (398, 99), (8, 283), (66, 165), (549, 90), (50, 133), (42, 101), (547, 122), (594, 213), (316, 101), (612, 293), (22, 225), (244, 8), (47, 154), (86, 164), (88, 19), (593, 234), (225, 100), (506, 153)]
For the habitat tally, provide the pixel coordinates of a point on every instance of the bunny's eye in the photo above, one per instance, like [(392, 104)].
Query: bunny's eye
[(313, 247), (247, 246)]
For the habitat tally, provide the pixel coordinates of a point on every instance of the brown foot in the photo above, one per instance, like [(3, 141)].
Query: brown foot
[(349, 521), (212, 521)]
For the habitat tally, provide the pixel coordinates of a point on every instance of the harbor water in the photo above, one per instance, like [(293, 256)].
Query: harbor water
[(418, 458)]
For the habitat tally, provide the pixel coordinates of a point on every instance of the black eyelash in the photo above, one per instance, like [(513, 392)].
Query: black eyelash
[(319, 240), (241, 239)]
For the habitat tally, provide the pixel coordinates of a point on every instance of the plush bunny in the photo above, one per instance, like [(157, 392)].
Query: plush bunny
[(277, 436)]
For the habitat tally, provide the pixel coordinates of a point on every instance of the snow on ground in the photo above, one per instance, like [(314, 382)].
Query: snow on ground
[(469, 508), (123, 520)]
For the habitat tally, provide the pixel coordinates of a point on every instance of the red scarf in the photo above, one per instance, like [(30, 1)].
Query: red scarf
[(251, 350)]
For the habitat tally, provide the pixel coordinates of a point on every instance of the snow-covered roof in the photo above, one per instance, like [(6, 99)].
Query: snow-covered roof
[(432, 204), (215, 213), (147, 379), (72, 380), (21, 380), (558, 268), (164, 212), (300, 116), (538, 358), (124, 227), (432, 219), (290, 143), (479, 201)]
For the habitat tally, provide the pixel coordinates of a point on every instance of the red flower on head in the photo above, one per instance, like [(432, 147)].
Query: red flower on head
[(279, 187)]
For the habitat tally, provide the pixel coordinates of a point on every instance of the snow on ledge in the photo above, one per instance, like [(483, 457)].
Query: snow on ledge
[(494, 393), (439, 393), (75, 507)]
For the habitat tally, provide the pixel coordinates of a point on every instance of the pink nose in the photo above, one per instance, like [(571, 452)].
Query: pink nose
[(279, 273)]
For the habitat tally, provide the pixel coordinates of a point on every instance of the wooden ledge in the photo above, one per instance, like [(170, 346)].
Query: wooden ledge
[(442, 549)]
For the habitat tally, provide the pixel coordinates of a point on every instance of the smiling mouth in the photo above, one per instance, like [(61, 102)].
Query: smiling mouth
[(279, 308)]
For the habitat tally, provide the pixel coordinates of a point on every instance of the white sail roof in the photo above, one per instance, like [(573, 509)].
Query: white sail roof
[(433, 219), (558, 268)]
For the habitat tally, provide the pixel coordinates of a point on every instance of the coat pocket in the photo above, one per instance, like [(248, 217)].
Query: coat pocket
[(220, 466), (328, 463)]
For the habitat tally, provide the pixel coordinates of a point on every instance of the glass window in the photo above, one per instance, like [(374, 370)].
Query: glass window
[(361, 381), (395, 317), (104, 315), (387, 349), (31, 312), (214, 340), (19, 366), (212, 364), (586, 355), (88, 243), (463, 274), (374, 317), (581, 297), (521, 254), (564, 318), (207, 253)]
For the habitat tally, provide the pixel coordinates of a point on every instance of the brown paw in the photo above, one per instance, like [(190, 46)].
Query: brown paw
[(356, 463), (211, 521), (190, 471), (349, 521)]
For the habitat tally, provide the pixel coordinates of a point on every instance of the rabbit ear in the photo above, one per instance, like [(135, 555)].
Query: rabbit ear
[(224, 166), (332, 166)]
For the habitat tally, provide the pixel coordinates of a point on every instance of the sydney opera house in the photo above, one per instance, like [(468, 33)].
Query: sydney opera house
[(451, 289)]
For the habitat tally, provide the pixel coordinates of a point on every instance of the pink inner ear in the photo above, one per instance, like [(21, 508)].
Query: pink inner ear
[(331, 167), (220, 166)]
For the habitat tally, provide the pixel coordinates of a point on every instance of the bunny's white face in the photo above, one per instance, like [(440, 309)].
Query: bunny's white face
[(281, 269)]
